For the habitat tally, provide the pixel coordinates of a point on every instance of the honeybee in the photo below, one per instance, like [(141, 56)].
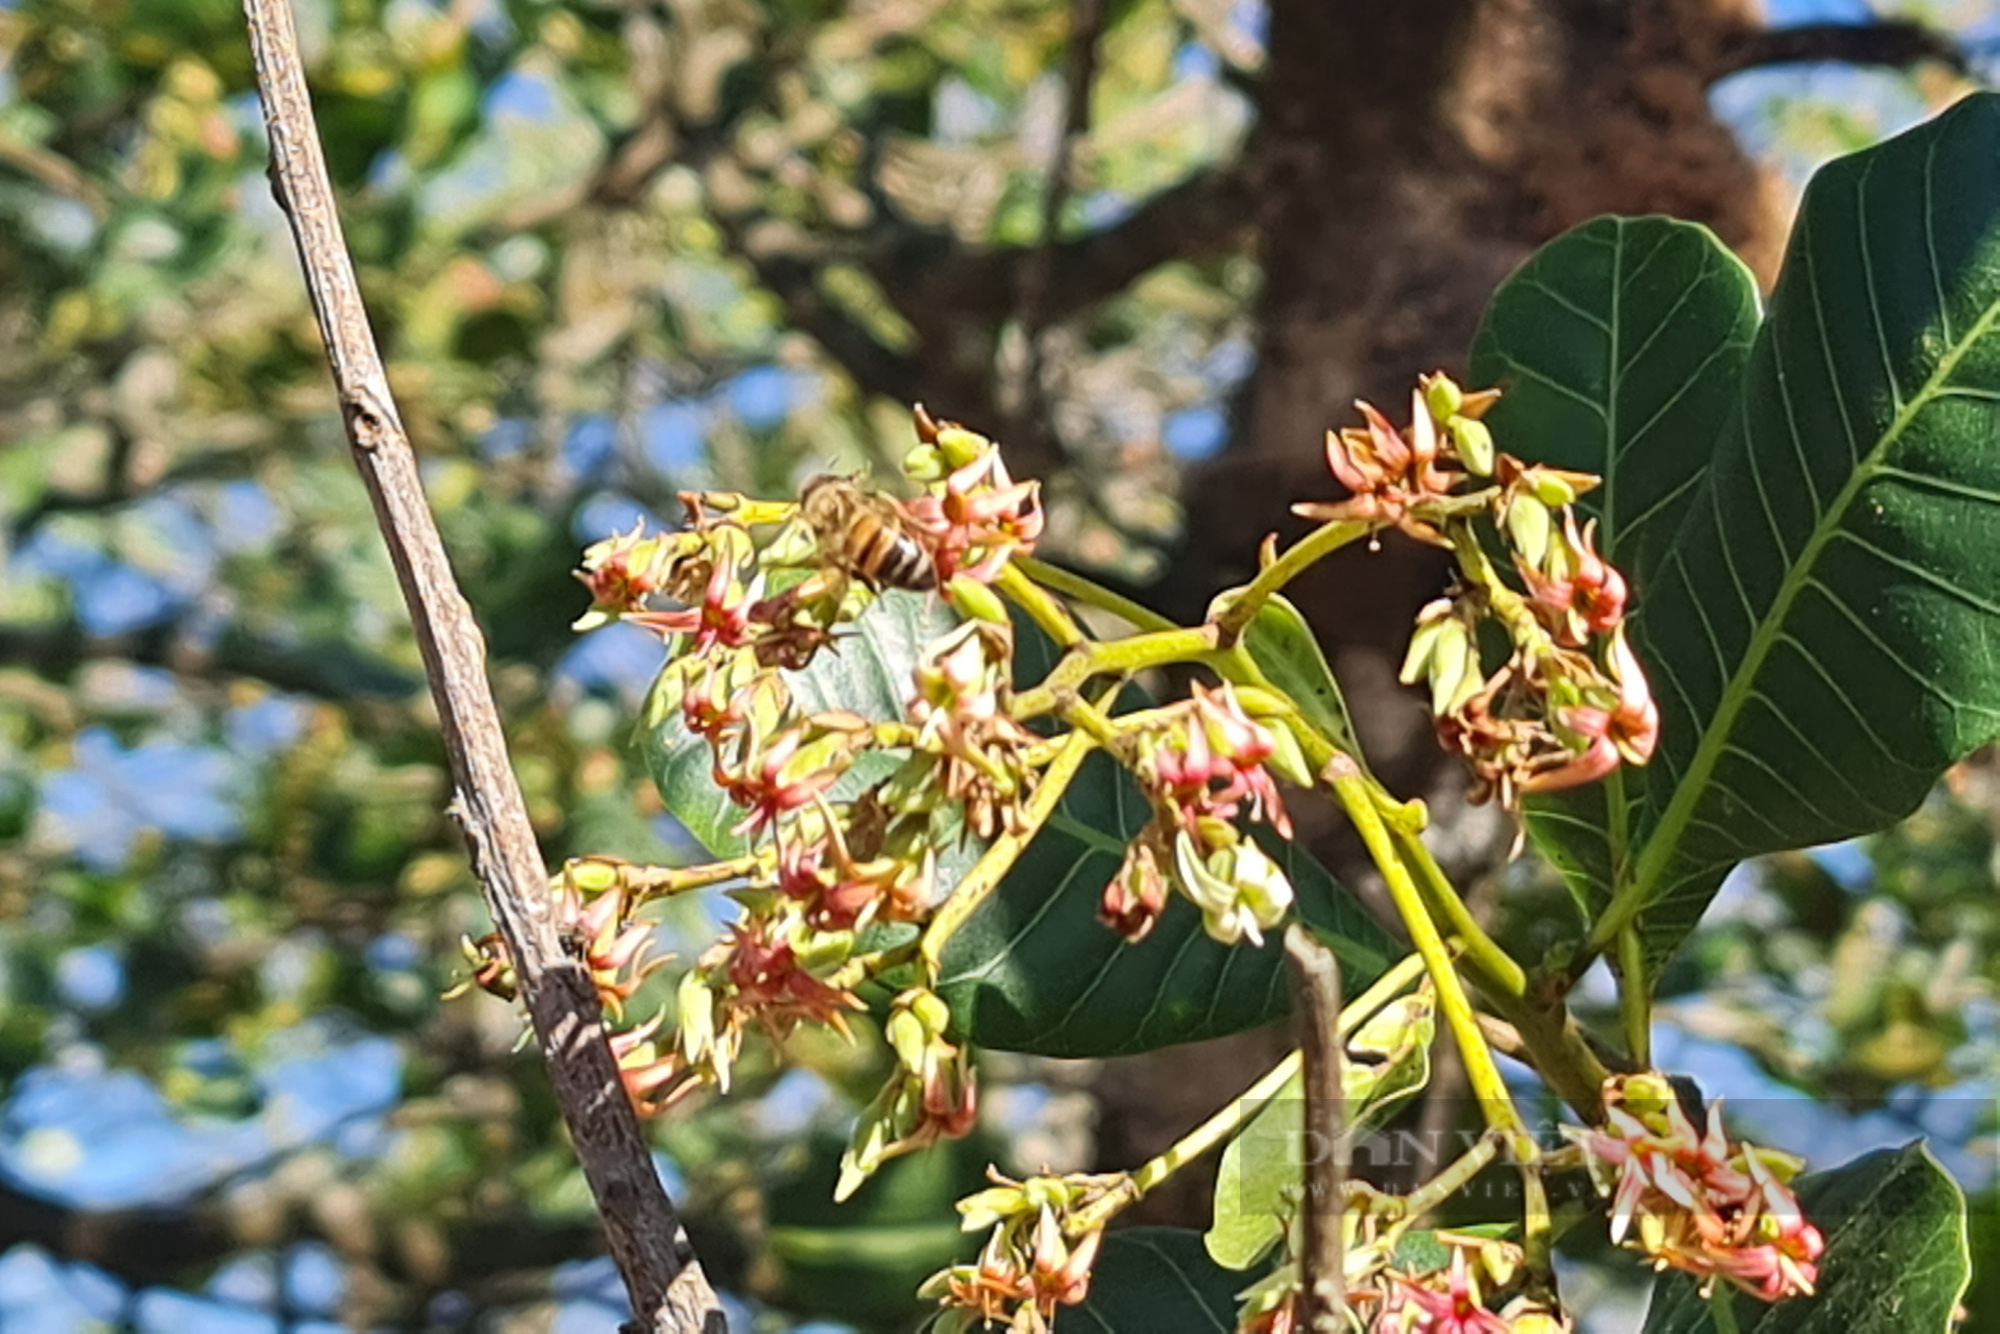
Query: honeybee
[(864, 534)]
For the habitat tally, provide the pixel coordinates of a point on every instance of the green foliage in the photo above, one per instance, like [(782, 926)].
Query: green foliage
[(1622, 345), (1151, 1280), (1815, 627)]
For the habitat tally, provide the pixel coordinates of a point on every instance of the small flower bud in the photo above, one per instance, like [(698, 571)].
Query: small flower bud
[(925, 463), (906, 1037), (1286, 759), (1441, 395), (1441, 649), (931, 1011), (697, 1015), (976, 600), (1474, 439), (1529, 525), (1555, 487), (960, 446)]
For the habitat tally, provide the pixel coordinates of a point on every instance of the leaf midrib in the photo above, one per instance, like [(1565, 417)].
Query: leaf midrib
[(1664, 839), (1617, 825)]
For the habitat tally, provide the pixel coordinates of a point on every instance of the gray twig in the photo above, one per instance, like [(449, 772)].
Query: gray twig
[(668, 1291), (1315, 973)]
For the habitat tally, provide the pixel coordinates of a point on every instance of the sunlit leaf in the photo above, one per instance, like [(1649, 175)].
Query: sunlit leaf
[(1818, 630)]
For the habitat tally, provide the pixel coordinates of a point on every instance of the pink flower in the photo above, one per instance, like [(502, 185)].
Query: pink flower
[(1415, 1308), (1215, 765), (1693, 1201), (1391, 475), (841, 894), (767, 982), (791, 770), (723, 616), (1574, 591), (983, 518)]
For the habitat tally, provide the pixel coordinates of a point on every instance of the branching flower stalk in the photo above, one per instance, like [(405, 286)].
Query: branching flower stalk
[(842, 882), (1220, 1128), (985, 875)]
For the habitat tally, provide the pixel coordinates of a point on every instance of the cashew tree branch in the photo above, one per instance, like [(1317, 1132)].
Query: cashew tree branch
[(668, 1291)]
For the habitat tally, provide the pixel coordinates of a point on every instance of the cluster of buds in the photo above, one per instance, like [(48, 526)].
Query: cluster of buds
[(713, 571), (1037, 1259), (771, 972), (1204, 764), (591, 905), (1464, 1295), (1570, 702), (747, 591), (1693, 1201), (1406, 479), (969, 750), (978, 517), (933, 1093)]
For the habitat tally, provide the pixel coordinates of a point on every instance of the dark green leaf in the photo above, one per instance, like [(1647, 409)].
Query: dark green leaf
[(864, 1259), (1896, 1260), (1621, 346), (1819, 633), (1035, 971), (1156, 1280)]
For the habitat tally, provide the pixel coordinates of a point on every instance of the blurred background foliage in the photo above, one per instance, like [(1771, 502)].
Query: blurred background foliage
[(616, 249)]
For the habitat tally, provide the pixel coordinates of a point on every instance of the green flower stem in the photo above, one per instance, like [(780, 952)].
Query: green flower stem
[(1537, 1225), (1101, 728), (1619, 916), (1089, 594), (1496, 1105), (1240, 1111), (986, 873), (1548, 1031), (658, 882), (1409, 1208), (1635, 998), (1492, 969), (1320, 543), (861, 967), (1046, 611), (1560, 1055), (1120, 656)]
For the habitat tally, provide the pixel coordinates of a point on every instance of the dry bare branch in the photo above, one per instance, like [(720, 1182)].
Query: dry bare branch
[(668, 1291)]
